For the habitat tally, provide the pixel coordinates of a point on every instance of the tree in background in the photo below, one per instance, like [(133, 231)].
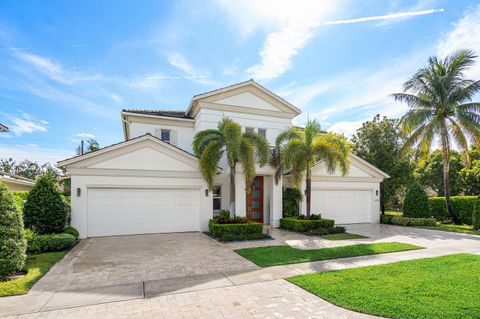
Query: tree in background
[(379, 142), (303, 148), (92, 145), (228, 139), (12, 237), (430, 172), (440, 105), (27, 168), (471, 175)]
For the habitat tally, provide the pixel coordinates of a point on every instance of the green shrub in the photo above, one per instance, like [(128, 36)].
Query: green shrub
[(242, 237), (311, 217), (12, 238), (463, 206), (238, 231), (72, 231), (304, 225), (291, 198), (407, 221), (325, 231), (52, 242), (45, 211), (416, 202), (476, 218), (20, 198)]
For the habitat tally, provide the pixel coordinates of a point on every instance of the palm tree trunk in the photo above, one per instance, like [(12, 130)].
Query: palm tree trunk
[(232, 190), (446, 171), (309, 190)]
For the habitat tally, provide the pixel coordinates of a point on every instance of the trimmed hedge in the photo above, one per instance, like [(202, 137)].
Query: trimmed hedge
[(12, 238), (416, 202), (45, 243), (464, 206), (240, 231), (407, 221), (476, 219), (72, 231), (325, 231), (305, 225), (45, 212)]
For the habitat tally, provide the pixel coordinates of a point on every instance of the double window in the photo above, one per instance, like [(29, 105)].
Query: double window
[(260, 131)]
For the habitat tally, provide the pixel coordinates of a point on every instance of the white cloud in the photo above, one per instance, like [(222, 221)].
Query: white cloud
[(35, 153), (297, 25), (465, 34), (86, 135), (26, 124), (180, 62), (346, 127), (384, 17)]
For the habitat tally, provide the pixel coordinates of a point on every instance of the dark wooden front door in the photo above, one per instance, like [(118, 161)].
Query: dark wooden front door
[(255, 201)]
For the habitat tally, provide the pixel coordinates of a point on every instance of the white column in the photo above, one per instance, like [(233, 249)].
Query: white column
[(276, 205), (240, 194)]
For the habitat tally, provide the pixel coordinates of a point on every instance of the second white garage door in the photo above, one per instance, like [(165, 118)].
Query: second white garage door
[(343, 206), (119, 211)]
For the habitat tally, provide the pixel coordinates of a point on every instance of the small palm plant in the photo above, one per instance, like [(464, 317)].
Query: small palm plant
[(300, 149), (211, 144), (440, 101)]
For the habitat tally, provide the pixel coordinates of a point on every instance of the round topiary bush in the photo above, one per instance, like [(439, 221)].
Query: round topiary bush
[(44, 211), (416, 202), (12, 239)]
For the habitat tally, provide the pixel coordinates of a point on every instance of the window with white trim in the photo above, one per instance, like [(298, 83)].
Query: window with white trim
[(262, 132), (165, 135), (249, 129), (217, 198)]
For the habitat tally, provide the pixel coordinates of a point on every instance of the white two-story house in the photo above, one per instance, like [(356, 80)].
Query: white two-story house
[(150, 182)]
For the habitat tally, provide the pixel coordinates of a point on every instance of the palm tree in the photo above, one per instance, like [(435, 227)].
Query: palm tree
[(440, 102), (239, 147), (300, 149)]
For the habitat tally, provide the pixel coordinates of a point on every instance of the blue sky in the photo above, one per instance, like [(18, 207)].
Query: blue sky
[(69, 67)]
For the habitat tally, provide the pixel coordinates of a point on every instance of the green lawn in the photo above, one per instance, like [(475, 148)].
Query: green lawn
[(281, 255), (343, 236), (36, 266), (465, 229), (445, 287)]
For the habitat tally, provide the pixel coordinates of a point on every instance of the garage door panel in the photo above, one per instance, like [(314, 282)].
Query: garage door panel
[(138, 211), (343, 206)]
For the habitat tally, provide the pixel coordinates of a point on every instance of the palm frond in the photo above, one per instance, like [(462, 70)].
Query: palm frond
[(260, 144), (460, 140), (209, 159), (231, 132), (247, 159), (334, 150), (203, 138), (287, 135)]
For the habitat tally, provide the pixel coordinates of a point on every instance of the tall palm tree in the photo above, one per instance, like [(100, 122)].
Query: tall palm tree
[(440, 102), (239, 147), (300, 149)]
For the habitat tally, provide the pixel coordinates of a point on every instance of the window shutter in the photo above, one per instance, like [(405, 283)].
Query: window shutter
[(173, 137)]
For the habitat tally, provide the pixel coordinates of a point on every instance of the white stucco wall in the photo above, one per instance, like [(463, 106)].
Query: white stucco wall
[(181, 136)]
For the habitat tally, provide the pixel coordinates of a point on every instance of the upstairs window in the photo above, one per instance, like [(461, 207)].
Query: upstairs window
[(249, 129), (262, 132), (165, 135), (217, 198)]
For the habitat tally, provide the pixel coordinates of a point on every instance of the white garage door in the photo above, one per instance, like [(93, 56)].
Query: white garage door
[(343, 206), (114, 211)]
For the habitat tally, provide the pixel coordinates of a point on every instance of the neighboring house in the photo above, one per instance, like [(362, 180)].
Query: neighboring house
[(151, 182), (3, 128), (16, 183)]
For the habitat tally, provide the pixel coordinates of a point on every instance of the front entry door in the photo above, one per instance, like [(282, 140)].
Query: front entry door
[(255, 201)]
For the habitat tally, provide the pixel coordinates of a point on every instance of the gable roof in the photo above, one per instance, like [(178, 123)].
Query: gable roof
[(166, 113), (239, 85), (3, 128), (112, 147)]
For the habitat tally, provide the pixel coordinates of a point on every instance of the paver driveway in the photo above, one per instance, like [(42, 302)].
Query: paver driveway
[(191, 275), (120, 260)]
